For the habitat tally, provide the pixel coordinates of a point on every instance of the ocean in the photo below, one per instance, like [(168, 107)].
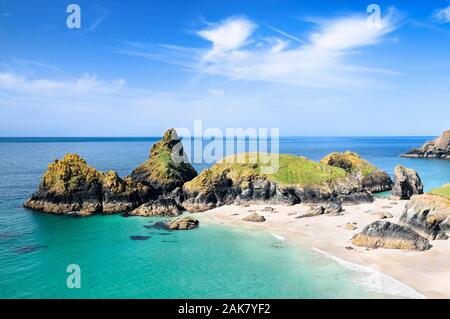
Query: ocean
[(213, 261)]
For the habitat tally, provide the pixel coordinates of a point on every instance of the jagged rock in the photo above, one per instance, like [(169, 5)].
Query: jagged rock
[(122, 195), (439, 148), (383, 234), (168, 166), (428, 214), (157, 207), (184, 223), (298, 180), (71, 186), (407, 183), (332, 208), (255, 218)]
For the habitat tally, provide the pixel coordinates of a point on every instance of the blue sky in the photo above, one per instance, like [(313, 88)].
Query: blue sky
[(305, 67)]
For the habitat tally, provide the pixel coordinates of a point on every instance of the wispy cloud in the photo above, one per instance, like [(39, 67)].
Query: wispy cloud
[(86, 84), (99, 20), (323, 59), (442, 15)]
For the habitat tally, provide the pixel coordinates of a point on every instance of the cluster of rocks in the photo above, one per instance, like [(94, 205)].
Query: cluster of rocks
[(166, 184), (71, 186), (439, 148), (425, 217)]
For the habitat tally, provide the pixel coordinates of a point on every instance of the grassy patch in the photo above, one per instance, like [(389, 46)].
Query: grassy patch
[(350, 162), (292, 170), (443, 191)]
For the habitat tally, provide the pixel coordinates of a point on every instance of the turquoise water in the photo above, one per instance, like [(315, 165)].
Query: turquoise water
[(210, 262)]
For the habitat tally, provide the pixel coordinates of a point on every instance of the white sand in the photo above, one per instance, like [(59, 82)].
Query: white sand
[(414, 274)]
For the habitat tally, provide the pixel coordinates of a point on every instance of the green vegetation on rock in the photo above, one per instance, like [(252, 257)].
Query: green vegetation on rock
[(68, 174), (443, 191), (167, 167), (292, 170), (350, 162)]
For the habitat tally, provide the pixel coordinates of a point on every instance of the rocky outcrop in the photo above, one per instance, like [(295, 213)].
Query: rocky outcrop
[(439, 148), (71, 186), (407, 183), (167, 167), (184, 223), (298, 180), (371, 178), (428, 214), (383, 234), (157, 207), (254, 218)]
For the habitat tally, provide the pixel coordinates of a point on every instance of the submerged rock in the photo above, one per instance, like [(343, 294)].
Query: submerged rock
[(255, 218), (428, 214), (439, 148), (383, 234), (157, 207), (407, 183), (184, 223)]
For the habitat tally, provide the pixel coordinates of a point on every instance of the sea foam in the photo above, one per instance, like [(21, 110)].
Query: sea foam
[(278, 236), (377, 281)]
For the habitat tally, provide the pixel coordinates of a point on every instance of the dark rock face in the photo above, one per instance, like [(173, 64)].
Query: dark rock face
[(407, 183), (224, 191), (429, 215), (157, 207), (439, 148), (383, 234), (184, 223), (376, 182)]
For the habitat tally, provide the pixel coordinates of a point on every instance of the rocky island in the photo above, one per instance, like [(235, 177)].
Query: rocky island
[(71, 186), (166, 183), (341, 177), (439, 148)]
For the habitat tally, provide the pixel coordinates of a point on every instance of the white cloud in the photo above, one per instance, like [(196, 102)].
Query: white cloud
[(227, 36), (323, 59), (442, 15)]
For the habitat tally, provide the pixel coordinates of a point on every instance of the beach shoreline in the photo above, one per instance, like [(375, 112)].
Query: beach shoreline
[(413, 274)]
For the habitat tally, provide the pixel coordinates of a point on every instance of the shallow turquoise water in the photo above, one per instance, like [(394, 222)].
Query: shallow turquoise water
[(211, 262)]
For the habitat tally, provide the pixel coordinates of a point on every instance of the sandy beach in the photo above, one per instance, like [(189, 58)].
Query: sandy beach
[(412, 274)]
